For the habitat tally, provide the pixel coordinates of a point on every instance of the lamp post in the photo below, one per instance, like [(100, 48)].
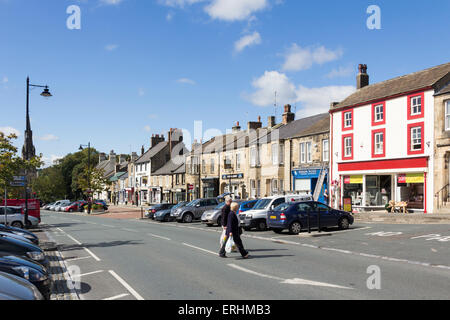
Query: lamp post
[(89, 175), (28, 147)]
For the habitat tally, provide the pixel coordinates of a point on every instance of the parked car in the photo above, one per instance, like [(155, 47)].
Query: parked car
[(16, 218), (21, 232), (75, 206), (194, 210), (47, 206), (25, 268), (294, 217), (257, 216), (61, 205), (22, 249), (57, 204), (150, 213), (14, 236), (214, 216), (15, 288), (247, 205), (166, 215)]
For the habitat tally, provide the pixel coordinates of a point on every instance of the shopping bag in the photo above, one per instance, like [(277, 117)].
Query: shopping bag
[(222, 238), (229, 245)]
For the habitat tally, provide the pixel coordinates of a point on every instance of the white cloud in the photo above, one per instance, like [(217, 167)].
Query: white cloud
[(5, 79), (169, 16), (186, 81), (111, 47), (153, 116), (312, 100), (8, 130), (298, 58), (49, 137), (147, 128), (340, 72), (233, 10), (49, 161), (179, 3), (247, 41)]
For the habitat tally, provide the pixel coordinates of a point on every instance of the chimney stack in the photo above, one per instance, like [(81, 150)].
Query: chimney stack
[(271, 122), (252, 125), (101, 157), (156, 139), (288, 116), (142, 150), (112, 157), (237, 127), (134, 157), (122, 158), (362, 79)]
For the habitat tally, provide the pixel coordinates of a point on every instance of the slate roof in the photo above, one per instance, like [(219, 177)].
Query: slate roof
[(444, 90), (146, 157), (408, 83)]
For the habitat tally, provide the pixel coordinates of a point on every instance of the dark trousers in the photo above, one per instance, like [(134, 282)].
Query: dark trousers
[(238, 242)]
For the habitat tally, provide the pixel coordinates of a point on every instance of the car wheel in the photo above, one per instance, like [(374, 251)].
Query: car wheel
[(344, 224), (209, 225), (279, 231), (29, 225), (188, 217), (17, 224), (70, 210), (262, 226), (219, 221), (295, 227), (247, 228), (166, 218)]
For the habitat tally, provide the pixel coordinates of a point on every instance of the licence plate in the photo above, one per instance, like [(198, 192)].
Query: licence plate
[(273, 217)]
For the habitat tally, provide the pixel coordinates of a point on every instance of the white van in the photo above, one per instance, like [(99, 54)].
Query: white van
[(257, 216)]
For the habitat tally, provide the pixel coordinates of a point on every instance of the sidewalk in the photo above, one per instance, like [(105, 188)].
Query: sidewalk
[(119, 212), (58, 270), (401, 218)]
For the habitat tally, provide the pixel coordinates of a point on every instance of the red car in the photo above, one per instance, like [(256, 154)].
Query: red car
[(75, 206)]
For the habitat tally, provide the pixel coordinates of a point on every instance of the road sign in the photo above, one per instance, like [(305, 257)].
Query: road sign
[(20, 178), (17, 184)]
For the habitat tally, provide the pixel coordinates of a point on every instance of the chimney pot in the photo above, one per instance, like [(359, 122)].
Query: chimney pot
[(362, 79)]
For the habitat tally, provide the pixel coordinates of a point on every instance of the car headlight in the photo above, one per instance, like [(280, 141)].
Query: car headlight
[(249, 216), (35, 255), (30, 274)]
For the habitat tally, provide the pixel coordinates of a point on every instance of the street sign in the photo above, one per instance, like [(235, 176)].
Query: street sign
[(20, 178), (17, 184)]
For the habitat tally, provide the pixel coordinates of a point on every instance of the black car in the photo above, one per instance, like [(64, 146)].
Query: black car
[(20, 232), (294, 217), (157, 207), (23, 249), (16, 288), (28, 269)]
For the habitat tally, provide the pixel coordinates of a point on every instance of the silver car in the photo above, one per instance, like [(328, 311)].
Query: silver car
[(15, 218), (194, 210), (214, 216)]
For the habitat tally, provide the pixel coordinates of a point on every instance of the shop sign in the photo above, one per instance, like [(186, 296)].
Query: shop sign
[(190, 187), (233, 176), (411, 178), (348, 205), (353, 179)]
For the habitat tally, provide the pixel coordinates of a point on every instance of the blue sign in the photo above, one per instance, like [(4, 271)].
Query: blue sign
[(233, 176), (306, 173)]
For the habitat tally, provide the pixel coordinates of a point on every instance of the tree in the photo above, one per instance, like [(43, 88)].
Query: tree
[(49, 185), (12, 164), (97, 181)]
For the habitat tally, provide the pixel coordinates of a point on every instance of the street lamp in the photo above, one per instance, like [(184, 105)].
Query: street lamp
[(89, 174), (29, 149)]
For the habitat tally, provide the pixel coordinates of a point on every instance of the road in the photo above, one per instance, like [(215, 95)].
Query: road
[(142, 259)]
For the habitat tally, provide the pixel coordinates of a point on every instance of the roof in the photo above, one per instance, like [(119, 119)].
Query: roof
[(170, 167), (116, 176), (146, 157), (444, 90), (407, 83)]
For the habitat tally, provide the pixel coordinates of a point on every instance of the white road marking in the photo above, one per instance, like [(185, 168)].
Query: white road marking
[(126, 285), (89, 273), (117, 297), (288, 281), (92, 254), (189, 245), (107, 225), (76, 259), (69, 236), (156, 236), (129, 230)]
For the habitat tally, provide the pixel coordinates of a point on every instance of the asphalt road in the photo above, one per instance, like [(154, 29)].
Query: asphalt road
[(142, 259)]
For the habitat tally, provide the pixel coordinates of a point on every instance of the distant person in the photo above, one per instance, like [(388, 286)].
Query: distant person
[(233, 230), (226, 211), (326, 196)]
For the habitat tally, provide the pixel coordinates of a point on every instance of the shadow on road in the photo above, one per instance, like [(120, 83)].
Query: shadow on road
[(262, 250), (268, 256)]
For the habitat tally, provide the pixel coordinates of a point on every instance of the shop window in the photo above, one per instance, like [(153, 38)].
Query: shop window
[(411, 189), (347, 147), (379, 114), (416, 106), (415, 138), (347, 120), (378, 143)]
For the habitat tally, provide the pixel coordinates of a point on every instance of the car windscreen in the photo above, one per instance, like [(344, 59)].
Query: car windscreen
[(181, 204), (193, 203), (262, 204), (221, 205), (282, 207)]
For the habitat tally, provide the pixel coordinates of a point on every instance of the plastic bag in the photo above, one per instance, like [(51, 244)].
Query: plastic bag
[(229, 245), (222, 238)]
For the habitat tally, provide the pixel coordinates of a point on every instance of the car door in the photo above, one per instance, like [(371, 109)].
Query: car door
[(327, 217), (305, 209)]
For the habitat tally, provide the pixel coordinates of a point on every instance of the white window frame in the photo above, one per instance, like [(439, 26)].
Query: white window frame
[(379, 112), (309, 152), (212, 165), (253, 157), (326, 151), (414, 138), (238, 161), (281, 157), (275, 154), (378, 149), (416, 105), (447, 115), (302, 153), (348, 146), (348, 120)]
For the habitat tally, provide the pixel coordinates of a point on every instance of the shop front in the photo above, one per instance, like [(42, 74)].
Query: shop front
[(210, 187), (155, 195), (235, 184), (376, 189), (179, 195), (305, 181)]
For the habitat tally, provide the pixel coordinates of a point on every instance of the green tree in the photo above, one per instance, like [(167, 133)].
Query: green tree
[(49, 185), (97, 181)]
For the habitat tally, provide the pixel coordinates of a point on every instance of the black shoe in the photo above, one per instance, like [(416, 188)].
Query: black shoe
[(222, 256), (246, 256)]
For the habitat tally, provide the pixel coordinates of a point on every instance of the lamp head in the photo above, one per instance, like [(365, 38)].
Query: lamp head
[(46, 93)]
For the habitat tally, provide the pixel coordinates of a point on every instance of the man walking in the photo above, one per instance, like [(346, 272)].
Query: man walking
[(224, 217), (233, 230)]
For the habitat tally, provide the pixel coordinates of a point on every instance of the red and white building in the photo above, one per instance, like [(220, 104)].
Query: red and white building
[(382, 141)]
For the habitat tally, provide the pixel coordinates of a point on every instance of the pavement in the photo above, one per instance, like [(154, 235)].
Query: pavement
[(120, 259)]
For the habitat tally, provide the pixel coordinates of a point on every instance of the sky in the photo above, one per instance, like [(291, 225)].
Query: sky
[(140, 67)]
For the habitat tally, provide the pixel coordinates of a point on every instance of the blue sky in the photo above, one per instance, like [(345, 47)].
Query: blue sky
[(139, 67)]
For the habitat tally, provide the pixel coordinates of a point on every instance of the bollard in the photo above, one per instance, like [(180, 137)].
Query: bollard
[(318, 219), (142, 213), (309, 221)]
